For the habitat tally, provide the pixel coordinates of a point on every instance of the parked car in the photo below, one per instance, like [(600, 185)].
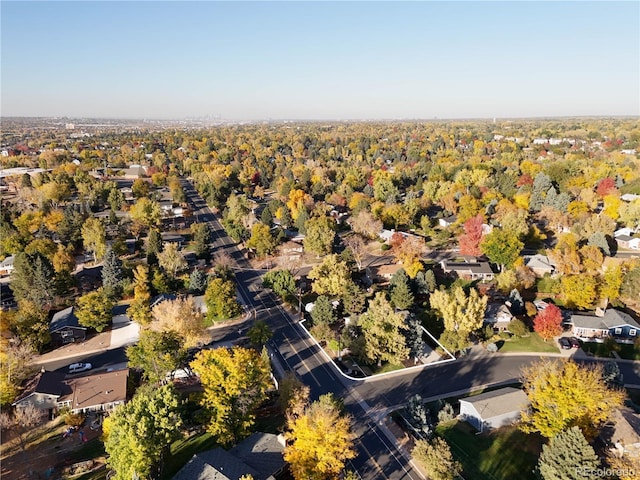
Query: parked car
[(575, 343), (564, 343), (79, 367)]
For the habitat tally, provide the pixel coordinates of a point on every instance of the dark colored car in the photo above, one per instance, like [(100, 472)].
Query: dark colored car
[(575, 343), (564, 343)]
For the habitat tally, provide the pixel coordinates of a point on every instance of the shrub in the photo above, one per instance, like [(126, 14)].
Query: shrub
[(518, 328)]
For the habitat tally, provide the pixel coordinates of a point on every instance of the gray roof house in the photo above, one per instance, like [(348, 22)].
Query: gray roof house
[(497, 315), (471, 270), (539, 265), (493, 409), (64, 327), (43, 391), (260, 455), (6, 265), (610, 323)]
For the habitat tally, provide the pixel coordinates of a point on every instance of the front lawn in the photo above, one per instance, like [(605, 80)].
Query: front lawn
[(502, 454), (532, 343), (626, 351)]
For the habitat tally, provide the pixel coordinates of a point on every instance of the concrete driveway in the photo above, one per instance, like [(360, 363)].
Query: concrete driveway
[(124, 332)]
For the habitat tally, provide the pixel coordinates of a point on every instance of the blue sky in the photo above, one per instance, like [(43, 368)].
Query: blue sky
[(320, 60)]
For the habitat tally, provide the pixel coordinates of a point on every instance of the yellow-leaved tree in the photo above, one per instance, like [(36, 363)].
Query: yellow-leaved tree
[(567, 394), (235, 381), (319, 441)]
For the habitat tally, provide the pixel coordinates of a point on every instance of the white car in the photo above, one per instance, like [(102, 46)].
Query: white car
[(79, 367)]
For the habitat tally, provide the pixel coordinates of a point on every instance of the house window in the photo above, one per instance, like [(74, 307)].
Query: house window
[(632, 332), (618, 330)]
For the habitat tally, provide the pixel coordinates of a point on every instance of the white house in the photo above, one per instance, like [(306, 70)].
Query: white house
[(6, 266), (493, 409)]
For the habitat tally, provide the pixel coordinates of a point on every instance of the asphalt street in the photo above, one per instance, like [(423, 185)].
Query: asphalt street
[(378, 457)]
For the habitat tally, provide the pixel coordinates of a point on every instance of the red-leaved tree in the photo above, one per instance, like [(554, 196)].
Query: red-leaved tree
[(548, 322), (470, 240), (606, 186)]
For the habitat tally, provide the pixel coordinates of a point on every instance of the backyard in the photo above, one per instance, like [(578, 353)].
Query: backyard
[(502, 454)]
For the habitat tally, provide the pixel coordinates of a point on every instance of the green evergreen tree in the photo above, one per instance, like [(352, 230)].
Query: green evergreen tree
[(568, 456), (154, 246), (112, 274), (322, 313), (201, 238), (198, 281), (413, 334), (401, 295)]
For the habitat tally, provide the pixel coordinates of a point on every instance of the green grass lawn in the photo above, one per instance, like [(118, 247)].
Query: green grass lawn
[(532, 343), (182, 450), (629, 352), (502, 454)]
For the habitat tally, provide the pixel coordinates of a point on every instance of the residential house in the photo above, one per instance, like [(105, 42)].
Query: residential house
[(7, 300), (383, 273), (540, 265), (602, 324), (624, 432), (291, 250), (50, 391), (89, 278), (498, 316), (469, 270), (173, 238), (64, 327), (97, 392), (260, 456), (447, 221), (628, 242), (493, 409), (6, 265), (43, 391)]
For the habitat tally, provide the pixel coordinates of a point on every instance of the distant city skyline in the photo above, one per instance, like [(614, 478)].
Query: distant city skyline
[(320, 60)]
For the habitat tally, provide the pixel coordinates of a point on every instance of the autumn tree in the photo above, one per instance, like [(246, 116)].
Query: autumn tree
[(502, 247), (409, 252), (182, 316), (567, 394), (357, 247), (436, 458), (460, 312), (470, 240), (157, 353), (171, 259), (95, 310), (365, 224), (235, 381), (221, 300), (261, 240), (548, 322), (579, 291), (94, 237), (139, 309), (320, 235), (319, 441), (568, 456), (382, 332), (137, 434), (146, 212), (331, 277), (259, 334)]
